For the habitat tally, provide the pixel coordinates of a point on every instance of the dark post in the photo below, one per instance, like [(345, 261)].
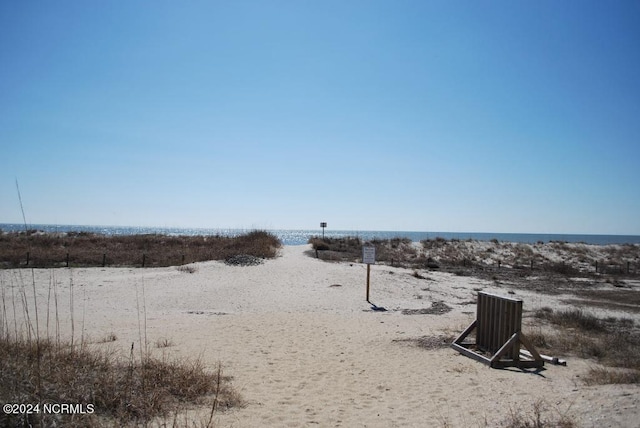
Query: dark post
[(28, 258), (498, 264), (596, 266), (67, 259), (104, 260), (531, 264), (323, 225), (368, 276), (144, 256), (183, 259)]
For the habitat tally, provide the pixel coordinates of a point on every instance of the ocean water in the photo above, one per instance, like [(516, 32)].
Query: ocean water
[(300, 237)]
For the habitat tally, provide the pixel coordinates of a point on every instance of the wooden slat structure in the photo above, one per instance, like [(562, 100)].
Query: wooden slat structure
[(498, 334)]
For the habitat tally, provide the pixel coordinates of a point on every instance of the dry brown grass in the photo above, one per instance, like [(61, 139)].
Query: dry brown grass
[(542, 415), (399, 252), (567, 259), (89, 249), (108, 388), (612, 342), (337, 249), (429, 343), (539, 414), (119, 389), (478, 258), (608, 375)]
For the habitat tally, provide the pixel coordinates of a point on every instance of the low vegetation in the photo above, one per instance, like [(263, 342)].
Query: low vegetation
[(395, 252), (346, 249), (612, 342), (481, 256), (542, 415), (550, 268), (73, 249), (125, 391)]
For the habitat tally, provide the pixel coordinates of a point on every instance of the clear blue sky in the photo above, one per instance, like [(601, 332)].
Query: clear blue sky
[(460, 116)]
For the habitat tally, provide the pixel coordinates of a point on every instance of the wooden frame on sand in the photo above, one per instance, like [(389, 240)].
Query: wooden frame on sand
[(498, 335)]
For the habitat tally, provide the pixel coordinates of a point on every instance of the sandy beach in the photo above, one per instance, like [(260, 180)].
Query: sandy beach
[(304, 348)]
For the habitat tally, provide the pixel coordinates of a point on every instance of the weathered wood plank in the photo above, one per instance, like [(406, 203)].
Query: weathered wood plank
[(466, 332), (471, 354), (498, 328), (504, 348)]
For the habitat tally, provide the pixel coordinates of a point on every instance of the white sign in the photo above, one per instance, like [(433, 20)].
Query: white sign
[(369, 255)]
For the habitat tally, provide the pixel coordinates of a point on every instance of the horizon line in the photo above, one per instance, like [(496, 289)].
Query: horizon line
[(313, 229)]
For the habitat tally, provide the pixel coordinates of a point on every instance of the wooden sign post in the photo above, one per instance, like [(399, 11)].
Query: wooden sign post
[(368, 257), (323, 225)]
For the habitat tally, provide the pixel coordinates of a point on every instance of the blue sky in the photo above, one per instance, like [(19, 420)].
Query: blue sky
[(458, 116)]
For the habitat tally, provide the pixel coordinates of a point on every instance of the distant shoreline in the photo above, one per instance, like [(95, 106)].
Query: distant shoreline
[(301, 236)]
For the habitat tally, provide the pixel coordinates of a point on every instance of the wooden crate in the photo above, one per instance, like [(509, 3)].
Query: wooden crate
[(498, 334)]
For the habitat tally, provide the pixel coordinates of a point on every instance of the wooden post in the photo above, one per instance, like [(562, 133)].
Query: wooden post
[(183, 259), (28, 258), (104, 260), (368, 257), (596, 266), (368, 275), (67, 259), (531, 264), (144, 256)]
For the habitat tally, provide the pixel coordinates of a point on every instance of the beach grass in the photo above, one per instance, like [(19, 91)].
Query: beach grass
[(103, 387), (612, 342), (541, 415), (399, 252), (75, 249), (493, 259), (107, 387)]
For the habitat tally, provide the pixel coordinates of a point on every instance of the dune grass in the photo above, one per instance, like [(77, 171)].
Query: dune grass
[(612, 342), (395, 251), (541, 415), (110, 389), (471, 257), (90, 249)]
